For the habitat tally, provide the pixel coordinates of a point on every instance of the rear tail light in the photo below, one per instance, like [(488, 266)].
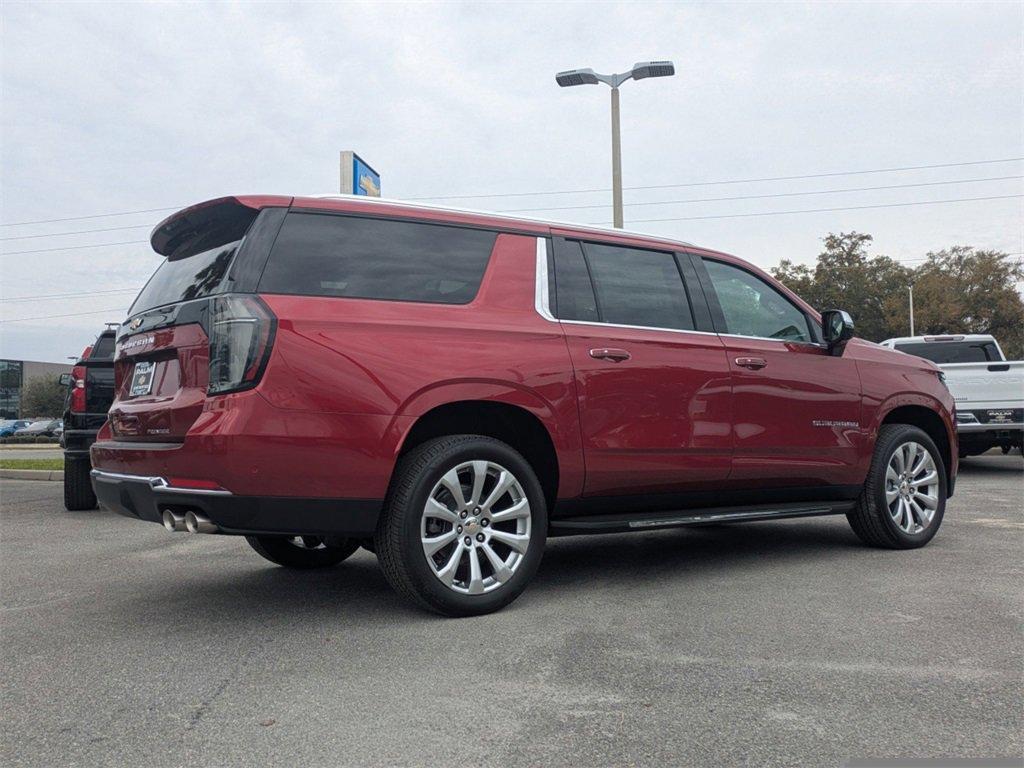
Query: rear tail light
[(78, 389), (241, 334)]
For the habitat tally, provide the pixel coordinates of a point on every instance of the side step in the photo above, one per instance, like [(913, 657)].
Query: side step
[(645, 521)]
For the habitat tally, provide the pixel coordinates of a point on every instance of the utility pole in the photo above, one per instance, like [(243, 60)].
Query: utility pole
[(911, 289), (640, 71)]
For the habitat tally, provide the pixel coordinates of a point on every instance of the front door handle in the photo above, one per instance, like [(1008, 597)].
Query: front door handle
[(753, 363), (606, 353)]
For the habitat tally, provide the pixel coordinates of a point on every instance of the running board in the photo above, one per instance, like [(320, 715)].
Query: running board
[(646, 521)]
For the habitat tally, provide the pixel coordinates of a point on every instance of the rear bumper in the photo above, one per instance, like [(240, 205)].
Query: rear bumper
[(145, 497)]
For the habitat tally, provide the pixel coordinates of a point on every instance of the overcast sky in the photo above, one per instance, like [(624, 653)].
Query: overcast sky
[(121, 107)]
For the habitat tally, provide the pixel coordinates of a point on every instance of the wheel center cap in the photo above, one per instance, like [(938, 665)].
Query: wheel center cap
[(471, 526)]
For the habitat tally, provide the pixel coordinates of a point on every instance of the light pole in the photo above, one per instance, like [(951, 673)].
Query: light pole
[(911, 289), (590, 77)]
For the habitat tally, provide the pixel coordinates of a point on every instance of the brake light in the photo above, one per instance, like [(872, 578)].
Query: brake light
[(78, 389), (241, 335)]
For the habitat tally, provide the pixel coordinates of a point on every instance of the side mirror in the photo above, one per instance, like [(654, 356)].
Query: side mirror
[(65, 379), (837, 326)]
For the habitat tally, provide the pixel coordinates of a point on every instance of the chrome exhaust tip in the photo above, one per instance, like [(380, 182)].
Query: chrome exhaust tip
[(173, 521), (196, 523)]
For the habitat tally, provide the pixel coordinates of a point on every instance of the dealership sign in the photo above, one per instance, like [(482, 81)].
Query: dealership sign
[(357, 177)]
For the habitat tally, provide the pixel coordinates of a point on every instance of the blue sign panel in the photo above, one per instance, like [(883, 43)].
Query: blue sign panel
[(358, 178)]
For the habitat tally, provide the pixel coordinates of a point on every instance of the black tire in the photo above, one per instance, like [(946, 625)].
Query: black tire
[(78, 493), (870, 519), (397, 541), (314, 552)]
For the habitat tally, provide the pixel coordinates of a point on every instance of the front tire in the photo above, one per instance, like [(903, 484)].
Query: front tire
[(904, 497), (78, 493), (303, 552), (464, 526)]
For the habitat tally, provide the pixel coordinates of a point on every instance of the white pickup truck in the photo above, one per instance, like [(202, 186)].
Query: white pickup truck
[(989, 390)]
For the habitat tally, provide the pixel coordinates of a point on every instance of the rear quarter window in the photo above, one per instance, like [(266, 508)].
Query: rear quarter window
[(347, 256), (941, 352)]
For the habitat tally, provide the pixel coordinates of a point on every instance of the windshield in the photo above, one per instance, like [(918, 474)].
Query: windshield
[(185, 279), (953, 351)]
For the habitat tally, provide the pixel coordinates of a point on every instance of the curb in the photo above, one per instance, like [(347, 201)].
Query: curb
[(32, 474)]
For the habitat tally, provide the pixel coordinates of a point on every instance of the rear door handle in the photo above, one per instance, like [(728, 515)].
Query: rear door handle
[(753, 363), (606, 353)]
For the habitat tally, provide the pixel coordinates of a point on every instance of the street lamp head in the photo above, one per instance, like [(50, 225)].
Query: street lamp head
[(576, 77), (652, 69)]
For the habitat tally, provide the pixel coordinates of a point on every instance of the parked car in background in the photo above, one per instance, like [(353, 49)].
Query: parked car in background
[(9, 427), (449, 389), (90, 393), (988, 389), (43, 428)]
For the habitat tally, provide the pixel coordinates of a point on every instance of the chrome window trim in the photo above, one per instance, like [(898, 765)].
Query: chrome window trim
[(156, 483), (542, 304), (542, 298)]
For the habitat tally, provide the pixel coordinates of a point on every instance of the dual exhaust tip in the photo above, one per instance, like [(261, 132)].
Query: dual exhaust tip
[(193, 522)]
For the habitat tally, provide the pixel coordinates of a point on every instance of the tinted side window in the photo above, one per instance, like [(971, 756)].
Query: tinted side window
[(326, 255), (637, 287), (574, 293), (753, 308)]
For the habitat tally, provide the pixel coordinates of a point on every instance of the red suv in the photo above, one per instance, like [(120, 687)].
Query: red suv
[(448, 389)]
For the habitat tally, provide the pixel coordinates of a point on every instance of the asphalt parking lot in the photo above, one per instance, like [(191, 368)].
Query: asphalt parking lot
[(785, 643)]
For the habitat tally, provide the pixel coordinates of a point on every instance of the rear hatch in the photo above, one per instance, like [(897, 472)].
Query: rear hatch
[(198, 299)]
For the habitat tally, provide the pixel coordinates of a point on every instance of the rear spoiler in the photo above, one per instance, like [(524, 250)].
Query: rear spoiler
[(208, 225)]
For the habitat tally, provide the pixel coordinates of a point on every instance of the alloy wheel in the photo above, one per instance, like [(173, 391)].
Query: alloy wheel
[(912, 487), (475, 527)]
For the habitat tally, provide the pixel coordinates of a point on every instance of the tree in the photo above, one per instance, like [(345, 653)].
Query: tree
[(963, 290), (872, 290), (43, 396), (957, 290)]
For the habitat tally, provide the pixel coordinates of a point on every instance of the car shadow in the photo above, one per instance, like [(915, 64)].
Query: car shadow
[(356, 590), (992, 464)]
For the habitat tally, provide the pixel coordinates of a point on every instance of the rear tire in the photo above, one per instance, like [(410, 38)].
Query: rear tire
[(78, 493), (303, 552), (901, 509), (464, 525)]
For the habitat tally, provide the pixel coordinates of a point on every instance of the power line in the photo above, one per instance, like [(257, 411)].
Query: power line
[(74, 295), (603, 205), (756, 197), (78, 232), (820, 210), (74, 247), (577, 191), (70, 314), (730, 181), (91, 216)]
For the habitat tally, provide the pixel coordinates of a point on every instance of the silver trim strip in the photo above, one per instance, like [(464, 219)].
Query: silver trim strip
[(542, 300), (156, 483), (726, 516)]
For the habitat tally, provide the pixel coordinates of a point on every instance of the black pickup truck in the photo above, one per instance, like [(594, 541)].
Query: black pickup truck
[(90, 393)]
